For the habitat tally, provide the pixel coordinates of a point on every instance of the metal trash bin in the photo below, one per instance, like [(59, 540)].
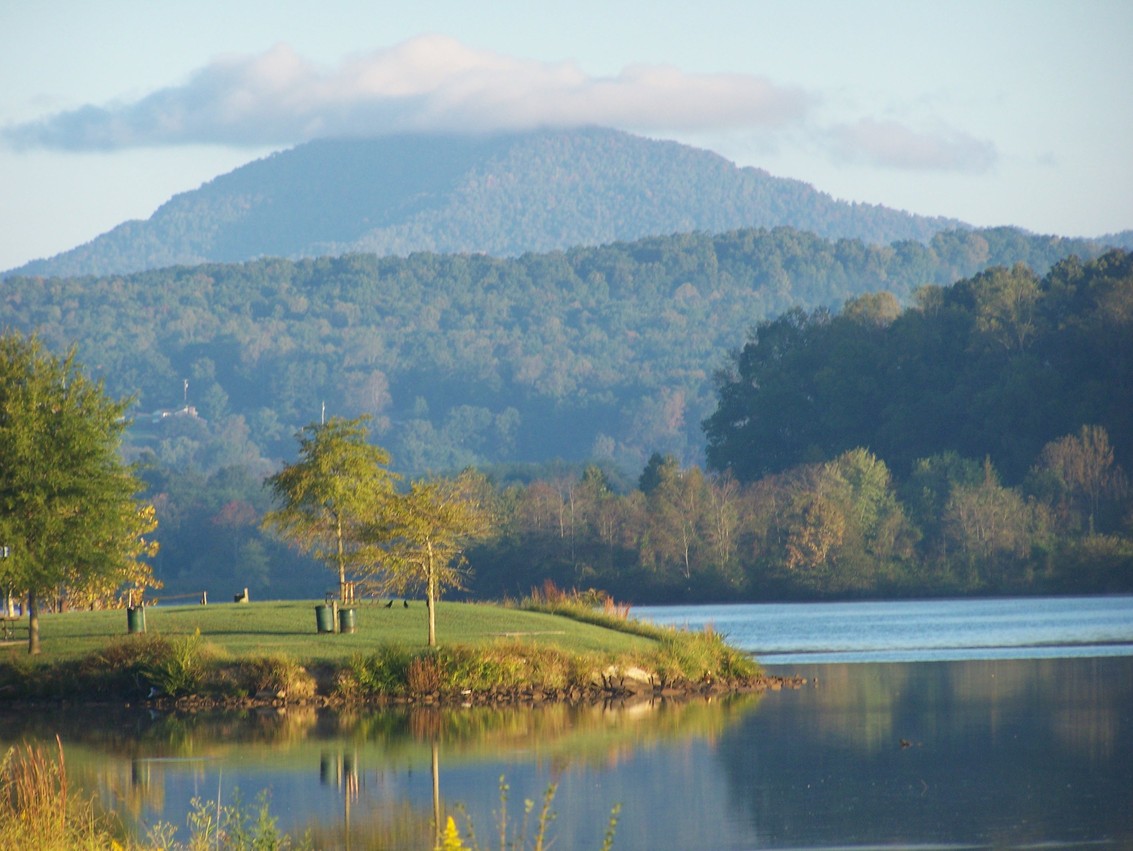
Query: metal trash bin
[(135, 619), (346, 621), (324, 618)]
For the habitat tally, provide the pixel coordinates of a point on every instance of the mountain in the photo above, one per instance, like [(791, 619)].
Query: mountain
[(501, 195)]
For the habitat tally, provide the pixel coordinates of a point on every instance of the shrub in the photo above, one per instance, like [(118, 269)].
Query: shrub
[(425, 675), (383, 673), (698, 656), (277, 674), (180, 665)]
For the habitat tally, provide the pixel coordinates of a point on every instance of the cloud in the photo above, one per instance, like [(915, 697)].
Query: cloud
[(430, 83), (889, 144)]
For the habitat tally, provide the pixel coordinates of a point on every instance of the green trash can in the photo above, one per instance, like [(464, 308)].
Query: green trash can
[(324, 618), (345, 620), (135, 619)]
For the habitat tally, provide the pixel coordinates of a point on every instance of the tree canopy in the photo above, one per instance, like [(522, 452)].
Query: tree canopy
[(999, 365), (424, 535), (71, 521), (337, 487), (602, 352)]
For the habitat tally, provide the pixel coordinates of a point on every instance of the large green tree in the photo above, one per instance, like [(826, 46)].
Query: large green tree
[(71, 522), (336, 489)]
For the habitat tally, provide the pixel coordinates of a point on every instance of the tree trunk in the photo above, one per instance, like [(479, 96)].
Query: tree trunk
[(341, 562), (437, 794), (431, 597), (33, 624)]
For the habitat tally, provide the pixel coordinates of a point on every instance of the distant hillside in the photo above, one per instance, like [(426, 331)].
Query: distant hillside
[(500, 195), (469, 359)]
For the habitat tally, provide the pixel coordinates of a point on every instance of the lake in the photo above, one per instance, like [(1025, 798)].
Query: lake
[(942, 724)]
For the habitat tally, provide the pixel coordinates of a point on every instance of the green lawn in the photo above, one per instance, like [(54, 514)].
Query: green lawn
[(289, 627)]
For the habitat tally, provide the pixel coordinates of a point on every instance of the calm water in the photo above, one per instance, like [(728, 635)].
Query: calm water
[(988, 724), (916, 631)]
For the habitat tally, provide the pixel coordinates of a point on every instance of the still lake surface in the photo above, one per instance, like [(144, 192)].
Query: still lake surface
[(940, 724)]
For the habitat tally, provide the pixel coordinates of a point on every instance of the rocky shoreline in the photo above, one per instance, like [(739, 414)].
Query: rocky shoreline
[(619, 690)]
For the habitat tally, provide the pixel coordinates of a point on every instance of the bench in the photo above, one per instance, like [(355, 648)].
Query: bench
[(8, 625)]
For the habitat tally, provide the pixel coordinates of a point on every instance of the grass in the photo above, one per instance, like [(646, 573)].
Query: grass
[(288, 627), (272, 650)]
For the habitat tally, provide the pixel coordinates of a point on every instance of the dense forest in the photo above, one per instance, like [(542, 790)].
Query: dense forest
[(605, 352), (975, 442), (881, 431), (503, 195)]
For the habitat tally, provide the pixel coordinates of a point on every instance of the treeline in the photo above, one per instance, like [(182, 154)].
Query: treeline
[(600, 353), (846, 527), (840, 528), (972, 443)]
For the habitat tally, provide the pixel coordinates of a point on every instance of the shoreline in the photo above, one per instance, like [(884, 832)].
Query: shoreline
[(624, 693)]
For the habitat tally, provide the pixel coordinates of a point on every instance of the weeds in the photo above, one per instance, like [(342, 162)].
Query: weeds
[(512, 835), (590, 606), (179, 667), (38, 809), (277, 674)]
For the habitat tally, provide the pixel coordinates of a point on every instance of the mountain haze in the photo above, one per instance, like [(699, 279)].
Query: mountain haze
[(501, 195)]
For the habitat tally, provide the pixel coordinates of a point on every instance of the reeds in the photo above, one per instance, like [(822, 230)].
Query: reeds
[(38, 809)]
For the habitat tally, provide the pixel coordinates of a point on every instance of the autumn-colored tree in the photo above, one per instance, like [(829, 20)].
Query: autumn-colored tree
[(1084, 468), (993, 529), (424, 533)]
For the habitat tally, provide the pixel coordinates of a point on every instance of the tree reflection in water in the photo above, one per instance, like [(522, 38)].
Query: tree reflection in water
[(1006, 752)]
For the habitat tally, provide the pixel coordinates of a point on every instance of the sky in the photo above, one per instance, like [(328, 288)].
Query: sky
[(995, 112)]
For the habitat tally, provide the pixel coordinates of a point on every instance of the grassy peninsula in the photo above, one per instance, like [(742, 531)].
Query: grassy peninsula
[(236, 653)]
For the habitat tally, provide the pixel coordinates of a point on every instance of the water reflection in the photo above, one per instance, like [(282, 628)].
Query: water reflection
[(367, 778), (989, 753), (992, 753)]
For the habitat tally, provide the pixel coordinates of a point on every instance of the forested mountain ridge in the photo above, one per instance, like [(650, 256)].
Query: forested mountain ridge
[(503, 195), (603, 352)]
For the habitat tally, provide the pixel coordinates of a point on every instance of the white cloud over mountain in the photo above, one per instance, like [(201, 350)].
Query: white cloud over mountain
[(437, 84)]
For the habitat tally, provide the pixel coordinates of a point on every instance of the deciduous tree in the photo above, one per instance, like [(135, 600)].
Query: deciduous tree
[(332, 494), (424, 533), (72, 521)]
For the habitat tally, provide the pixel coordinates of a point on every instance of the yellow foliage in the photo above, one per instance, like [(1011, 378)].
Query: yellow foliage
[(450, 839)]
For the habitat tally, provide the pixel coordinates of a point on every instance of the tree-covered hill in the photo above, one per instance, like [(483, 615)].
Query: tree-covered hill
[(995, 366), (502, 195), (604, 352)]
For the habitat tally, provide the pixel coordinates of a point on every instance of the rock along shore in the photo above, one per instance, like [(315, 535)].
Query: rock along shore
[(619, 689)]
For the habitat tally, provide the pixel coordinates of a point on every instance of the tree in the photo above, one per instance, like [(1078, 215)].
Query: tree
[(675, 519), (332, 494), (994, 530), (72, 524), (1083, 466), (424, 534), (1006, 302)]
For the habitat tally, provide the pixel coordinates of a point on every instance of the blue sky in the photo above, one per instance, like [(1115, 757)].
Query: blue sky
[(995, 113)]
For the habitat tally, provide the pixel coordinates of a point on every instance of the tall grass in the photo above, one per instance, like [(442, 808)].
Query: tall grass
[(590, 606), (38, 810)]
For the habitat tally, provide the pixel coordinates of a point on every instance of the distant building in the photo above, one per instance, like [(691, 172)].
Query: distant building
[(164, 413)]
